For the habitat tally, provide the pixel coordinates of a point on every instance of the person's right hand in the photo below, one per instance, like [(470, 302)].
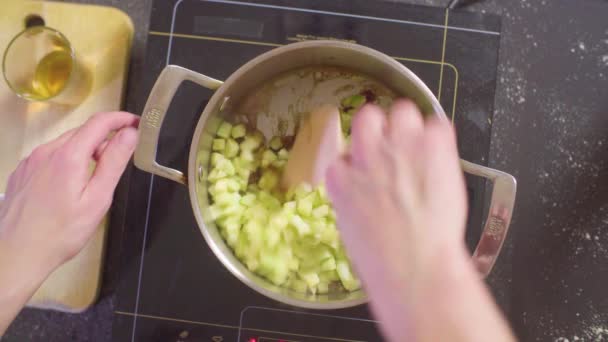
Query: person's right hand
[(399, 194), (400, 201)]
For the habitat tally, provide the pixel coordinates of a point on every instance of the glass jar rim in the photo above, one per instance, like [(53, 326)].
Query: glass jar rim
[(21, 35)]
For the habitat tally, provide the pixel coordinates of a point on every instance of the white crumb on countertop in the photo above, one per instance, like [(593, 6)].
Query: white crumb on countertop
[(596, 331), (575, 159)]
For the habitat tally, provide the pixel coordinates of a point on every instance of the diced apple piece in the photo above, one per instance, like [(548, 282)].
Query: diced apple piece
[(279, 164), (252, 264), (273, 236), (244, 174), (289, 208), (279, 274), (268, 157), (289, 235), (346, 102), (230, 211), (215, 211), (220, 186), (321, 211), (329, 276), (298, 285), (232, 229), (253, 230), (253, 188), (241, 247), (312, 256), (322, 192), (248, 200), (269, 201), (279, 221), (225, 166), (242, 184), (346, 276), (323, 287), (354, 101), (283, 154), (302, 190), (352, 285), (232, 148), (311, 279), (224, 130), (233, 185), (305, 204), (225, 199), (218, 144), (346, 121), (252, 141), (215, 157), (257, 212), (268, 181), (301, 226), (328, 264), (247, 156), (276, 143), (294, 264), (215, 175), (226, 185), (238, 131), (330, 237)]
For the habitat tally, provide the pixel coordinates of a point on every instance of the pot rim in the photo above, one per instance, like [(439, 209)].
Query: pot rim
[(216, 100)]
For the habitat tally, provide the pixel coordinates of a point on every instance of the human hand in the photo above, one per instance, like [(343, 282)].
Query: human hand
[(53, 202), (400, 201), (399, 194)]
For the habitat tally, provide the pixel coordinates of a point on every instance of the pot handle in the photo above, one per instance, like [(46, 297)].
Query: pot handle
[(499, 216), (154, 114)]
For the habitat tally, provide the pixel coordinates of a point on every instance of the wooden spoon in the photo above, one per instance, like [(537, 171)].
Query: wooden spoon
[(318, 143)]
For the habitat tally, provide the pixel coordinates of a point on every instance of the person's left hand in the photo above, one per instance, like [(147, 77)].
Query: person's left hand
[(54, 202)]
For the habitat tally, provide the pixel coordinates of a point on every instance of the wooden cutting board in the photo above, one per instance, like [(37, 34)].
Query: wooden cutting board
[(101, 37)]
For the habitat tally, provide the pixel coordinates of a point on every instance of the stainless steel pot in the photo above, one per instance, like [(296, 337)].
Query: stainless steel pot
[(327, 53)]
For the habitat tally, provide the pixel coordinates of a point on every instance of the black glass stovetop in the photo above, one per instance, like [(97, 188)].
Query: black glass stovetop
[(172, 287)]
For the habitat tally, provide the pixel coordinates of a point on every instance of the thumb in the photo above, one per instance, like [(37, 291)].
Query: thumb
[(111, 164)]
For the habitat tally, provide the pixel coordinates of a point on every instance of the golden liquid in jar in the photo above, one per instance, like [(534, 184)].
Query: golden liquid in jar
[(51, 75)]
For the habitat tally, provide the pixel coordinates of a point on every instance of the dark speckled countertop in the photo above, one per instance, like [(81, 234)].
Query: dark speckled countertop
[(550, 131)]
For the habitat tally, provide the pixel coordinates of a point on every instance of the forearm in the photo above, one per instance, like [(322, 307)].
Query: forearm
[(457, 297), (448, 302), (20, 277)]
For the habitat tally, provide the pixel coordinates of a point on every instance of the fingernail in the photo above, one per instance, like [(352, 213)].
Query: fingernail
[(128, 137)]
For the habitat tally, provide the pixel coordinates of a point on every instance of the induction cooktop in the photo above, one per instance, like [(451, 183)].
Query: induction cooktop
[(172, 286)]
